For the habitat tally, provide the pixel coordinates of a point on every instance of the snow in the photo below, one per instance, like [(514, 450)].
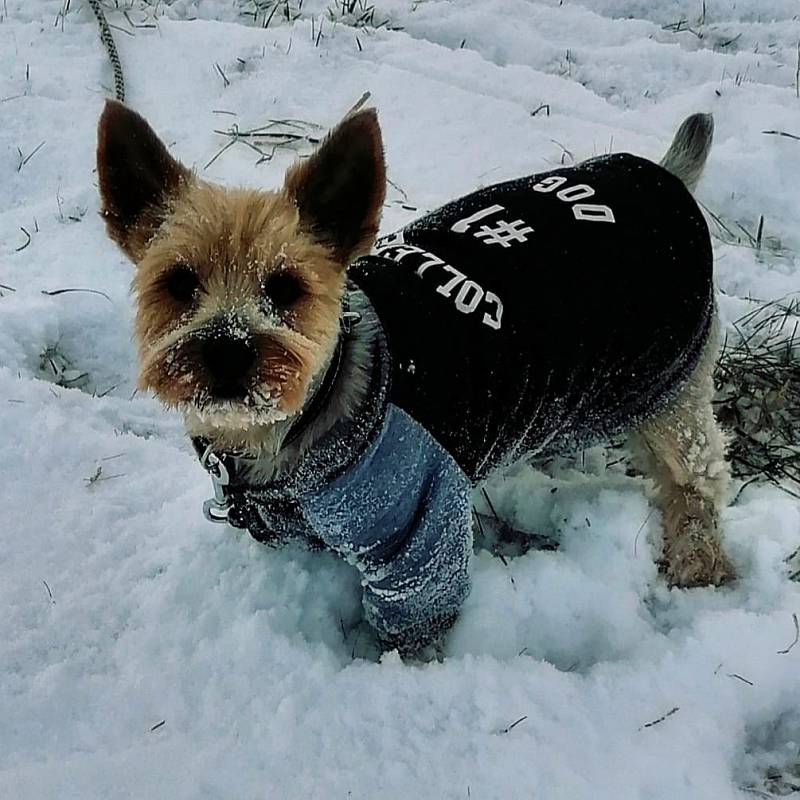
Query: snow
[(124, 609)]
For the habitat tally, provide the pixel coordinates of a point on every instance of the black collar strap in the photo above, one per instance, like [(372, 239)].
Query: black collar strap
[(320, 398), (347, 322)]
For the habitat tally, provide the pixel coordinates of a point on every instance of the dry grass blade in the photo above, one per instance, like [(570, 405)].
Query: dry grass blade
[(297, 135), (225, 80), (56, 292), (758, 394), (796, 637), (797, 74), (359, 14), (359, 104), (25, 243), (24, 159), (661, 718), (785, 134), (725, 232), (514, 724)]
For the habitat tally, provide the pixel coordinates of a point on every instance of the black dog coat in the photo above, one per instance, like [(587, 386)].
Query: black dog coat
[(544, 313), (531, 316)]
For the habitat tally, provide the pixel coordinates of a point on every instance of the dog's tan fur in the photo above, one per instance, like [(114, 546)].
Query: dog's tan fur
[(326, 214), (684, 449), (232, 240)]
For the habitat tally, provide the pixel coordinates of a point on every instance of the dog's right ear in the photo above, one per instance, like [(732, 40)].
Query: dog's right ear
[(339, 190), (138, 177)]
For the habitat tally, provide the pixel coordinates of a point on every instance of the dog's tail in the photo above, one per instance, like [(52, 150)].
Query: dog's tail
[(687, 154)]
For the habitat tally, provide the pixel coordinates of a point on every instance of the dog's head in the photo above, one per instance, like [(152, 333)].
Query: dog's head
[(238, 291)]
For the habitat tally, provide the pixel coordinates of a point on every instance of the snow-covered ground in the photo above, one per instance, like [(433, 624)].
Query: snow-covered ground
[(147, 653)]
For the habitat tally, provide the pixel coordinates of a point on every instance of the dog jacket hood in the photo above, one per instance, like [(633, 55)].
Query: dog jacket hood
[(539, 314)]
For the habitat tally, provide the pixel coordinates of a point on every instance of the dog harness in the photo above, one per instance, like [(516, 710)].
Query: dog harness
[(532, 316)]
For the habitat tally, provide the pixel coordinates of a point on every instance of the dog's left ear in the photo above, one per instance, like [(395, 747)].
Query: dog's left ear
[(339, 190), (138, 177)]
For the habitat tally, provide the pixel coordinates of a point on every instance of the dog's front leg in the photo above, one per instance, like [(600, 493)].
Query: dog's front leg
[(413, 598), (401, 515)]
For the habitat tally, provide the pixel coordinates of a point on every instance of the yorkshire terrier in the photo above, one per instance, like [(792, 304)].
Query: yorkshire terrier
[(349, 393)]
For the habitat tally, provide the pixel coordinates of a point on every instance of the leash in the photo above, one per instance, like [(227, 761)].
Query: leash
[(107, 39)]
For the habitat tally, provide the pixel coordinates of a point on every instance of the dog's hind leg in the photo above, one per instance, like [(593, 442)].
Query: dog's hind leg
[(685, 451)]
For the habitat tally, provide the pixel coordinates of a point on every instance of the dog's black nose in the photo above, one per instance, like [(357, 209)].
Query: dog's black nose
[(228, 360)]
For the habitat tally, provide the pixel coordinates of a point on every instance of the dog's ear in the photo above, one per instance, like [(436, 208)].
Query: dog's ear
[(138, 177), (339, 190)]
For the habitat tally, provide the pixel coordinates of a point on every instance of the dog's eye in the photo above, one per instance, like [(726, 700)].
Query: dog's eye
[(181, 283), (283, 289)]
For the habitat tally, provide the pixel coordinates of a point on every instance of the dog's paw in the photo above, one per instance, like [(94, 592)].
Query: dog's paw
[(420, 643), (695, 558), (693, 554)]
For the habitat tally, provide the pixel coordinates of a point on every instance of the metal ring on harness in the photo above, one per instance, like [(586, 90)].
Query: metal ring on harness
[(217, 508)]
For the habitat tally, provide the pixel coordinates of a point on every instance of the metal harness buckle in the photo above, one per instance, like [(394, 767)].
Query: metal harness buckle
[(217, 508)]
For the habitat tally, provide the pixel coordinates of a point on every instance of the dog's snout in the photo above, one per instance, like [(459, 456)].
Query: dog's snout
[(228, 359)]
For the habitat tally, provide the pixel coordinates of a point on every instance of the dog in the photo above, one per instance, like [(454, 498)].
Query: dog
[(349, 392)]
